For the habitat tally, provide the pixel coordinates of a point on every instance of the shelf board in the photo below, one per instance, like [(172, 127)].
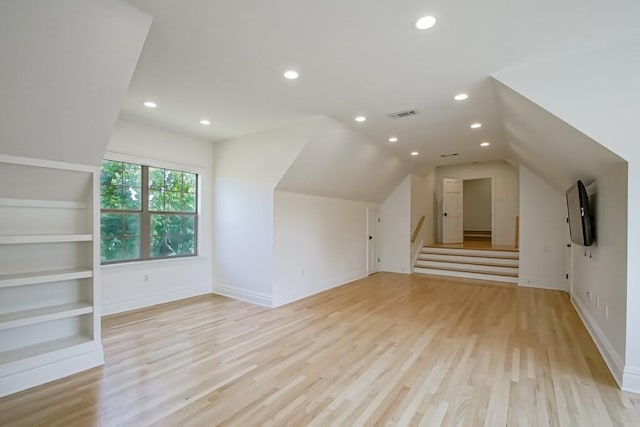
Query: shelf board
[(51, 204), (44, 314), (39, 349), (10, 280), (44, 238)]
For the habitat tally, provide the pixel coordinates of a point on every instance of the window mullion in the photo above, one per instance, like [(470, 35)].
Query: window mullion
[(145, 219)]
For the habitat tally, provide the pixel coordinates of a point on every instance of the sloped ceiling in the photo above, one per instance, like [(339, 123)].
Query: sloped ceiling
[(549, 146), (66, 67), (339, 162)]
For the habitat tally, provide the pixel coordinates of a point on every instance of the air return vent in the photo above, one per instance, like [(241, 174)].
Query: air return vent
[(401, 114), (449, 155)]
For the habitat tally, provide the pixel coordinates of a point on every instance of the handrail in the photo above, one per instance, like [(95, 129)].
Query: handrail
[(517, 231), (418, 227)]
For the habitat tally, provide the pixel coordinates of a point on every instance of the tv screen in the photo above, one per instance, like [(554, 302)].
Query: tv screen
[(579, 215)]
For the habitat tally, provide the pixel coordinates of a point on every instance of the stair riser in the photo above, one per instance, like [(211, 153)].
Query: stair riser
[(487, 268), (478, 276), (473, 252), (480, 260), (477, 238)]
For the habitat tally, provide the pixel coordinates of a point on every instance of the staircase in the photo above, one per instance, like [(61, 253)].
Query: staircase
[(481, 235), (483, 264)]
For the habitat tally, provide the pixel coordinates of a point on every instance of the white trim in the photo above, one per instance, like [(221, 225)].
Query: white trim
[(542, 284), (609, 354), (50, 164), (339, 282), (631, 380), (43, 374), (258, 298), (154, 163), (106, 268), (49, 204), (395, 269), (116, 307)]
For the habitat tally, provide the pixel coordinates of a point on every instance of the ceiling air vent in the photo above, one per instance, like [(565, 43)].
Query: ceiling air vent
[(401, 114), (449, 155)]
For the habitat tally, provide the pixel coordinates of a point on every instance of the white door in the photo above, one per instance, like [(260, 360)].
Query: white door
[(452, 225), (372, 238)]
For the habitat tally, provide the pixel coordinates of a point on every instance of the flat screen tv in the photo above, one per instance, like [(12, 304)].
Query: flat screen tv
[(580, 223)]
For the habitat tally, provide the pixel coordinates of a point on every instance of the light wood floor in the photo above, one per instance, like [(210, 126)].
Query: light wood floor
[(387, 350)]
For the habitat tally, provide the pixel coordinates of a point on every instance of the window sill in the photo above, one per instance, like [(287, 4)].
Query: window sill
[(153, 262)]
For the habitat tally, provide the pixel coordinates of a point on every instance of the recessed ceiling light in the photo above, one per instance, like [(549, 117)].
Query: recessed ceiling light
[(205, 122), (361, 119), (149, 104), (426, 22), (291, 74), (476, 125), (461, 97), (393, 139), (414, 153), (485, 144)]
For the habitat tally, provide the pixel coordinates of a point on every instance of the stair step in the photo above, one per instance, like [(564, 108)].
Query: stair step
[(477, 232), (483, 253), (471, 270), (467, 274), (509, 262), (477, 237), (480, 266)]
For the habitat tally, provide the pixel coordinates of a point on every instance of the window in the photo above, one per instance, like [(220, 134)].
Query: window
[(147, 212)]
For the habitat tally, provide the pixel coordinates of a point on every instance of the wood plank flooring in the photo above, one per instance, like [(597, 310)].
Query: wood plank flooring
[(387, 350)]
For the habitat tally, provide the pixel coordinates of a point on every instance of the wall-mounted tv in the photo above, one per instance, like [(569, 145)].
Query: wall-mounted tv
[(580, 223)]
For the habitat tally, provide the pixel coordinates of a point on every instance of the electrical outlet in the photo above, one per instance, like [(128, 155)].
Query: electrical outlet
[(606, 311), (146, 278), (597, 302), (588, 292)]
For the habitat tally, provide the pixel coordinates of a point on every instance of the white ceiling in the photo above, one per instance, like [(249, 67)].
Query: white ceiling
[(223, 60)]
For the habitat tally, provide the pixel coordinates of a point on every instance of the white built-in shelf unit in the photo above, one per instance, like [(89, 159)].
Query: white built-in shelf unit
[(49, 271)]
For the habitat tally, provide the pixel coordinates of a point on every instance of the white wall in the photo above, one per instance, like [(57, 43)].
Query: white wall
[(246, 172), (431, 222), (129, 286), (477, 204), (595, 92), (543, 233), (395, 230), (66, 67), (319, 243), (504, 194), (421, 205), (602, 271), (339, 162)]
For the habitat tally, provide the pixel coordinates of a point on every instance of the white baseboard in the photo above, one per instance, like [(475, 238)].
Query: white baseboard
[(631, 380), (395, 269), (253, 297), (543, 284), (334, 283), (50, 372), (609, 354), (147, 301)]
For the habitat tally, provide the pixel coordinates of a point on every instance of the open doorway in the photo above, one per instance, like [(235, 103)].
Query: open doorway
[(477, 212)]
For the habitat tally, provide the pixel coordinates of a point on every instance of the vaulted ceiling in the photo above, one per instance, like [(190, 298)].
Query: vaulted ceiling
[(223, 61)]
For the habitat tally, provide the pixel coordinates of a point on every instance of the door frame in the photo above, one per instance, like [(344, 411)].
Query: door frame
[(493, 205), (373, 229)]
